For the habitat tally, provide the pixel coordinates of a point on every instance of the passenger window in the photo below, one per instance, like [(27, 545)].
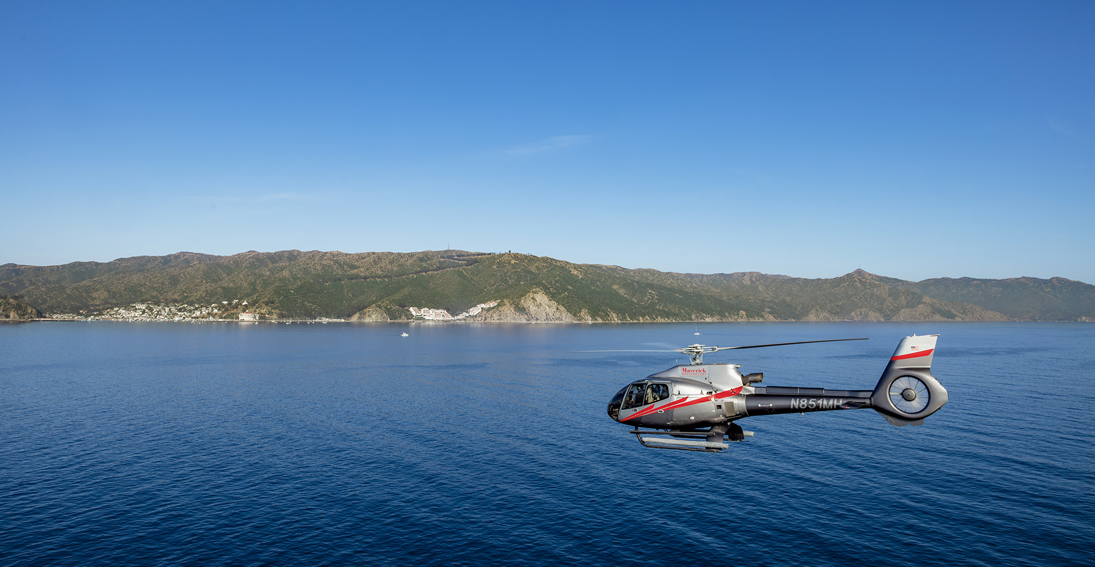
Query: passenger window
[(657, 393)]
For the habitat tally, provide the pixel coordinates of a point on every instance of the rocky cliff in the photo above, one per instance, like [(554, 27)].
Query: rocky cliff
[(16, 310)]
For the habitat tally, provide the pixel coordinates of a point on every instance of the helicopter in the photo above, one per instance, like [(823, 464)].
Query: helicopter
[(694, 407)]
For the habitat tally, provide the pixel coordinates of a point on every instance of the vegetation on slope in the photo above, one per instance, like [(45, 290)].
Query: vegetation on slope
[(12, 308), (383, 285), (1035, 299)]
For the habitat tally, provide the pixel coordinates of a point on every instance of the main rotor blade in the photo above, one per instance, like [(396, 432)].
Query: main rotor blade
[(784, 344), (631, 350), (711, 349)]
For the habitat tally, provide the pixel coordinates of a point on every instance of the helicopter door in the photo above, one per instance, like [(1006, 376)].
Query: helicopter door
[(642, 394), (656, 394), (633, 399)]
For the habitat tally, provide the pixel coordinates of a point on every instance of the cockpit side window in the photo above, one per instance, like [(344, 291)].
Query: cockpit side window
[(634, 396), (657, 393)]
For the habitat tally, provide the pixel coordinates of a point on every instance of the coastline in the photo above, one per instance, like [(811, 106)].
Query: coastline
[(404, 322)]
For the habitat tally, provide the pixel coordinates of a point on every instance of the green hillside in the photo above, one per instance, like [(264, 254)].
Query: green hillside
[(383, 285), (1054, 299), (856, 296)]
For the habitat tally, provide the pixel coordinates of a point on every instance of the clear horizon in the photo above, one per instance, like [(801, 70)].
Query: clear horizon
[(912, 141)]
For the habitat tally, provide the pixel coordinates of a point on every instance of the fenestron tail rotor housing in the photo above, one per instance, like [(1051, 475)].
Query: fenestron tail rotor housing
[(909, 394)]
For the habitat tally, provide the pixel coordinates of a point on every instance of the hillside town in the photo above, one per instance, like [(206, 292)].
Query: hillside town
[(230, 310), (177, 312)]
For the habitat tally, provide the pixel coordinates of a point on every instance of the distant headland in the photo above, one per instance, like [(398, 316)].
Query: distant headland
[(454, 285)]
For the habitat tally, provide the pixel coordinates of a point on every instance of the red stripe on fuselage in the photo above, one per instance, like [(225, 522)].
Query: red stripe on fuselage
[(728, 393), (913, 355), (683, 403), (653, 409)]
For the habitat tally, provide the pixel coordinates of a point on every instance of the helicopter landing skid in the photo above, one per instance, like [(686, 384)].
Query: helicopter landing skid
[(706, 441)]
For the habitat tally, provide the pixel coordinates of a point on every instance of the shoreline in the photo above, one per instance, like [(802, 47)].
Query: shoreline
[(514, 322)]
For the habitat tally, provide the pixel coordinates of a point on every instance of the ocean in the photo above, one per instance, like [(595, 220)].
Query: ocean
[(344, 444)]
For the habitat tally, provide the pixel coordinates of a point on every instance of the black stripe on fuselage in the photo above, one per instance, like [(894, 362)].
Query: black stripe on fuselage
[(774, 399)]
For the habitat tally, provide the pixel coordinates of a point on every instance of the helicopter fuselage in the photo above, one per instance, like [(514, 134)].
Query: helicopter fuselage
[(665, 400), (701, 401)]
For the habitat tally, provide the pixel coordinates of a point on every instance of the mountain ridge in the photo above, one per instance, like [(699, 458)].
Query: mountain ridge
[(380, 286)]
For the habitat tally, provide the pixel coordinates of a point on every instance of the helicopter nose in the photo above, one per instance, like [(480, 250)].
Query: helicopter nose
[(614, 404)]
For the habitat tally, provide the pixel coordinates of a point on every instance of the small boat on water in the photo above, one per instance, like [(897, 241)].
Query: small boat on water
[(405, 335)]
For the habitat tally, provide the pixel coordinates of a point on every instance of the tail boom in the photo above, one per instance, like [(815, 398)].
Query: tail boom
[(774, 400), (905, 394)]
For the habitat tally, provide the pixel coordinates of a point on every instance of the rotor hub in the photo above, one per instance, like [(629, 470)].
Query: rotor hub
[(908, 394)]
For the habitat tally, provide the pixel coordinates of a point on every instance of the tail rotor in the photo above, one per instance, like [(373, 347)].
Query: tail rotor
[(907, 392)]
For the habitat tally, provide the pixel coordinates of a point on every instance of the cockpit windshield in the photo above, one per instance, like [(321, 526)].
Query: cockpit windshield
[(614, 404)]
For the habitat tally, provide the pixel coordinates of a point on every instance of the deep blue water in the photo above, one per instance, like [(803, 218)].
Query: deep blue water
[(179, 444)]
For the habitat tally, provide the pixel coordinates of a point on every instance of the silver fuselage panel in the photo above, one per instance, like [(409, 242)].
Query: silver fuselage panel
[(720, 376)]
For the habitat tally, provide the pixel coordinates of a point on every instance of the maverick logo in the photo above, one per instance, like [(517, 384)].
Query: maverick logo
[(693, 372)]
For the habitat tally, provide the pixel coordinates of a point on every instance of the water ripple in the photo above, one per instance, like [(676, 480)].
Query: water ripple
[(464, 445)]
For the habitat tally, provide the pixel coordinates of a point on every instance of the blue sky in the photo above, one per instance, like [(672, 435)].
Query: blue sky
[(910, 139)]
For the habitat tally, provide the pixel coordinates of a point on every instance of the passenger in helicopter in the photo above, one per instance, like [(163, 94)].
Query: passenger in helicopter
[(656, 393)]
